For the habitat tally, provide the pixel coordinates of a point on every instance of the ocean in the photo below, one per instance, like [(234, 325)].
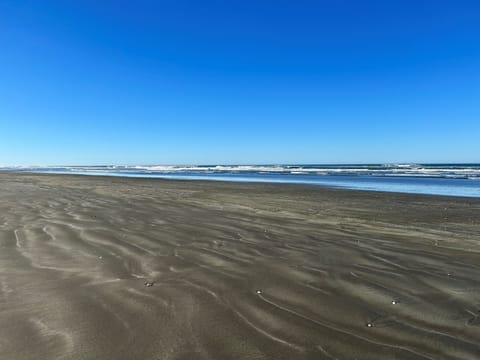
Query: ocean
[(433, 179)]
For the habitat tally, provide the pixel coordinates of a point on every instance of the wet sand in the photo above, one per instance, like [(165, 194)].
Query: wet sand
[(238, 271)]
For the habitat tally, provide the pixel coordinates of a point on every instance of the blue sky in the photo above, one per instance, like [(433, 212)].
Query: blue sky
[(239, 81)]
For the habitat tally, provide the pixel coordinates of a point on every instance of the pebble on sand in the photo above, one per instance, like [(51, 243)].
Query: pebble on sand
[(258, 292), (149, 283)]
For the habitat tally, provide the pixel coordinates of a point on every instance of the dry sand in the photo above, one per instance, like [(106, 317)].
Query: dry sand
[(239, 271)]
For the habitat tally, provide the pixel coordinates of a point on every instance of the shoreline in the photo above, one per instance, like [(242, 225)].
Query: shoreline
[(252, 182), (115, 267)]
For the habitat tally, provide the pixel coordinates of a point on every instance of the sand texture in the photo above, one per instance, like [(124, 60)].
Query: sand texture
[(137, 269)]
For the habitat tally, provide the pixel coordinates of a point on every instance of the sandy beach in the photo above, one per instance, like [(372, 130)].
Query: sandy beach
[(121, 268)]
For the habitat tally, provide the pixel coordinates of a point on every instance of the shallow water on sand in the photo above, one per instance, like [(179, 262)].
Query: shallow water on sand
[(433, 179)]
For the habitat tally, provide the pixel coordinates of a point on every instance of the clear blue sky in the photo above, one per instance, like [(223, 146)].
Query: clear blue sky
[(239, 81)]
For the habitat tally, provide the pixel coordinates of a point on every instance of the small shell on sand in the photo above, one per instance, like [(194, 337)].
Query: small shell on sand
[(258, 292), (369, 325), (149, 283)]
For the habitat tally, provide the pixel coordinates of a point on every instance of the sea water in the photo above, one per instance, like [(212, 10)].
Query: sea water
[(434, 179)]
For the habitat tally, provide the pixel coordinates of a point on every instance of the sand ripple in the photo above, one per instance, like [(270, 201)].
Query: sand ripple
[(236, 271)]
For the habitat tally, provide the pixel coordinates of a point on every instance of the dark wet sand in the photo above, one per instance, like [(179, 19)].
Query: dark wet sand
[(75, 253)]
